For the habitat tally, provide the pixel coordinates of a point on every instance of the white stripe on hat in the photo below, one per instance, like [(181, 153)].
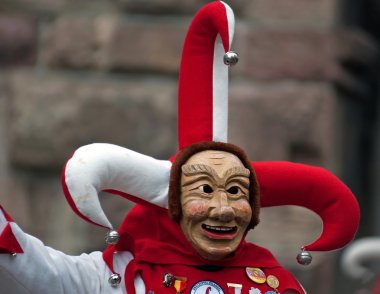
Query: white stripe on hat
[(220, 83), (219, 94)]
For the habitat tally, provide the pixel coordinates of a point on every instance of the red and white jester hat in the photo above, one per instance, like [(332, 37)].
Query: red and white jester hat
[(203, 87)]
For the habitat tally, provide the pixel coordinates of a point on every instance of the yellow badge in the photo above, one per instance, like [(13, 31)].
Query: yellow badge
[(273, 282), (256, 275)]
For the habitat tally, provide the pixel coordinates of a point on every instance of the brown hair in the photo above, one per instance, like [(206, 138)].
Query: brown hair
[(175, 207)]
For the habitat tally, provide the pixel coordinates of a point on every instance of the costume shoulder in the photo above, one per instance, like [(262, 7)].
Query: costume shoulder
[(258, 255)]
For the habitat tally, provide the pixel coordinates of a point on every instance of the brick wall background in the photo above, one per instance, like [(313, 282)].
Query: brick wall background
[(77, 72)]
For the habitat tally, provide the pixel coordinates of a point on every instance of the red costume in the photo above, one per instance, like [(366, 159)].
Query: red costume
[(150, 244), (160, 247)]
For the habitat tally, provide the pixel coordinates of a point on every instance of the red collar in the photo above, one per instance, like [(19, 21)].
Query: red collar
[(153, 237)]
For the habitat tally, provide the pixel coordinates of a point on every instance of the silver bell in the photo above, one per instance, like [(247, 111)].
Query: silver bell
[(114, 280), (112, 237), (230, 58), (304, 257)]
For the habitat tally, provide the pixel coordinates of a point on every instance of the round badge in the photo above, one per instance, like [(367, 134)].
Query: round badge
[(206, 287), (254, 291), (273, 282), (256, 274)]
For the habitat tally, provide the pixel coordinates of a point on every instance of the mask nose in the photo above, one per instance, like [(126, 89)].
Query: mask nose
[(220, 208)]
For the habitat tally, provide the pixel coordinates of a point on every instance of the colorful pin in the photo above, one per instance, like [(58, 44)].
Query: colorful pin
[(205, 286), (254, 291), (234, 288), (180, 284), (168, 279), (256, 275), (273, 282)]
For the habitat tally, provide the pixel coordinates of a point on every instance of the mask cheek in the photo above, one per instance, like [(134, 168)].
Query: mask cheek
[(243, 212), (195, 210)]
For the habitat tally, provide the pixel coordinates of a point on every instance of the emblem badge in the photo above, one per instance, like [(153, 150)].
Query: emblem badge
[(254, 291), (273, 282), (234, 288), (256, 275), (180, 284), (168, 280), (206, 287)]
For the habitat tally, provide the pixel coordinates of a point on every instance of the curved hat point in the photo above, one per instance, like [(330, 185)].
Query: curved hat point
[(106, 167), (203, 77), (286, 183)]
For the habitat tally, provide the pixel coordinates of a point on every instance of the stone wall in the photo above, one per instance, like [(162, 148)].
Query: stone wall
[(77, 72)]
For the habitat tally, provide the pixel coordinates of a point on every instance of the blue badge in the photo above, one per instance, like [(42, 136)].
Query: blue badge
[(206, 287)]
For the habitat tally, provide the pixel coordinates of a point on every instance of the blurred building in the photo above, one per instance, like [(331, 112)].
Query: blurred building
[(306, 89)]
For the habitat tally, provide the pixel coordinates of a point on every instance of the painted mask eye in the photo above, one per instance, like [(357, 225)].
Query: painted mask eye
[(206, 189), (234, 190)]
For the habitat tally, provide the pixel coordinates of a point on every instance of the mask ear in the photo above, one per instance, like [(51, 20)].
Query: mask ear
[(285, 183), (106, 167)]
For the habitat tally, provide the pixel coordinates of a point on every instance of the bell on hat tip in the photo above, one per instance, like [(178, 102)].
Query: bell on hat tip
[(112, 237), (304, 257), (230, 58), (114, 280)]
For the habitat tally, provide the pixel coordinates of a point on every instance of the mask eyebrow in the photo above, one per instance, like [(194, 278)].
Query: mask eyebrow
[(196, 169), (201, 170), (237, 171)]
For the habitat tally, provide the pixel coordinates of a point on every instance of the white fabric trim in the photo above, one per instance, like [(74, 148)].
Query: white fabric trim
[(219, 94), (98, 167), (3, 221), (139, 284), (220, 83)]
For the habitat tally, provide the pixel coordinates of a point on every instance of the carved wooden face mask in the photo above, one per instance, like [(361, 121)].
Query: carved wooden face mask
[(215, 203)]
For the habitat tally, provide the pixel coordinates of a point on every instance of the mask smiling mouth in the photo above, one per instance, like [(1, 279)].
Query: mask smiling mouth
[(219, 232)]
